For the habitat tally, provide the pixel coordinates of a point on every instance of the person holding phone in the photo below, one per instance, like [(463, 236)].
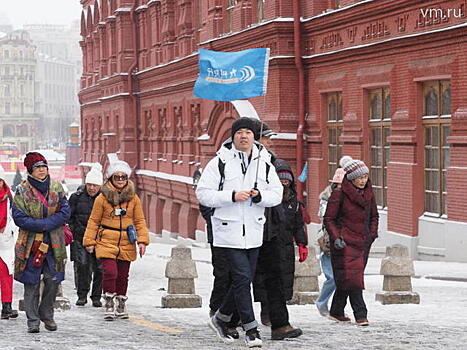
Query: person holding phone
[(115, 229)]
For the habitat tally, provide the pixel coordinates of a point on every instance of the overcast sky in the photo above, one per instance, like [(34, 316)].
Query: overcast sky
[(40, 11)]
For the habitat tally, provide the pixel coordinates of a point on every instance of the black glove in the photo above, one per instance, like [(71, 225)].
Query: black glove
[(256, 199), (339, 244)]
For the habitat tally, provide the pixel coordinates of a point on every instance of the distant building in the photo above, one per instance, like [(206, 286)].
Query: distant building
[(18, 117), (59, 69), (56, 99)]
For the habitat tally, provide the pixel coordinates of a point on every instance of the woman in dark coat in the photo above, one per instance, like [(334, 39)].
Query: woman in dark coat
[(351, 220), (274, 279)]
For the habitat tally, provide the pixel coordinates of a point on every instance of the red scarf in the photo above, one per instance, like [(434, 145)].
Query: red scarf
[(4, 195)]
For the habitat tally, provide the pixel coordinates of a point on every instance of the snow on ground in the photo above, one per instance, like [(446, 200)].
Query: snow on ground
[(439, 321)]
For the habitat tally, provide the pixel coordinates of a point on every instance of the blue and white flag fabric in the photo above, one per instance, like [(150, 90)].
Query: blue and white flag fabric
[(230, 76), (304, 174)]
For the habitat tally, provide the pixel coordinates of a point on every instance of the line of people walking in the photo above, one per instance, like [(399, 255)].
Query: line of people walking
[(108, 227), (232, 199), (254, 222)]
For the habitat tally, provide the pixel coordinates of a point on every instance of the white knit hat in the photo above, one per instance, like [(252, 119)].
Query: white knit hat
[(118, 166), (353, 167), (94, 176)]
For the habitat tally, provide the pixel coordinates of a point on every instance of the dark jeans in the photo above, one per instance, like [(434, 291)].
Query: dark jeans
[(242, 265), (356, 301), (115, 278), (221, 284), (269, 266), (85, 273)]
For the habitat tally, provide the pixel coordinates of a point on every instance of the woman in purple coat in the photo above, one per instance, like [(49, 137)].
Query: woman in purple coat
[(351, 220)]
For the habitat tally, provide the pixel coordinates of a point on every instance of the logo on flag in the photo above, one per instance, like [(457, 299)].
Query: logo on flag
[(229, 76)]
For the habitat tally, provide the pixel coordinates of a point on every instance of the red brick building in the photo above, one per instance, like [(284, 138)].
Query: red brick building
[(380, 80)]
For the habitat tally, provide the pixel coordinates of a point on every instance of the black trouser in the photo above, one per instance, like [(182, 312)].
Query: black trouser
[(221, 285), (91, 270), (269, 265), (356, 301)]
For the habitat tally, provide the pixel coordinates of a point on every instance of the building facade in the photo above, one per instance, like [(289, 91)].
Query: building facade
[(380, 80), (18, 118), (59, 64), (56, 99)]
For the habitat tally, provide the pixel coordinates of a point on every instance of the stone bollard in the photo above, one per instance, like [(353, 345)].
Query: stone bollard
[(61, 303), (306, 287), (397, 269), (181, 272)]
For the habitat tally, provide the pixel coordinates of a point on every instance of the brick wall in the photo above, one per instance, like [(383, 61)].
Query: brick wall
[(380, 43)]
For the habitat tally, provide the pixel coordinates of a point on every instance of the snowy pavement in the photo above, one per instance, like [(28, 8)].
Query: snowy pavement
[(439, 321)]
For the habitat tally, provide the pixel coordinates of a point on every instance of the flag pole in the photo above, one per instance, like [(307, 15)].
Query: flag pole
[(257, 164)]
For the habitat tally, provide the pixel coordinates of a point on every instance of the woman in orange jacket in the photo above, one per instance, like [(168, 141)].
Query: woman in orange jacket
[(116, 226)]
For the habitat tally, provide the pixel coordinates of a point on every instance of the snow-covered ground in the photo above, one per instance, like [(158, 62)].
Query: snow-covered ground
[(438, 322)]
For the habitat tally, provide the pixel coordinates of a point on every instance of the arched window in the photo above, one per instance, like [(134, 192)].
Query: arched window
[(379, 114), (437, 125), (431, 102), (333, 101)]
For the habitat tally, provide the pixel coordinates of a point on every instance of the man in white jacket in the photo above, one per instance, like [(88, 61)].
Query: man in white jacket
[(239, 194)]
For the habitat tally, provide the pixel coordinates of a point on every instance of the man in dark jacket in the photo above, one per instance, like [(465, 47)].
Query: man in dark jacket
[(87, 265)]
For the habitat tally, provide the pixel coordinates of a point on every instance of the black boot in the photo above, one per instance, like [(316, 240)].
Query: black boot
[(8, 312)]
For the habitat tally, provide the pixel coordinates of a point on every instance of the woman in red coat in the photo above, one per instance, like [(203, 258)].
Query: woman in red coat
[(351, 220)]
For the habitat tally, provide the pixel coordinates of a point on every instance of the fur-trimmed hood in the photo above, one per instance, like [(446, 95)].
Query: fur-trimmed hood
[(115, 197)]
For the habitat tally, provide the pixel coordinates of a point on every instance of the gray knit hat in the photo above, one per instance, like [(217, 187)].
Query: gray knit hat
[(285, 175), (353, 167)]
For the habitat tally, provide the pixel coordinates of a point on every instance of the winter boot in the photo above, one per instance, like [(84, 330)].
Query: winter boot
[(120, 310), (109, 306), (8, 312)]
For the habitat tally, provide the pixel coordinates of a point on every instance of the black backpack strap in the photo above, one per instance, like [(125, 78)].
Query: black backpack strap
[(221, 166), (268, 167)]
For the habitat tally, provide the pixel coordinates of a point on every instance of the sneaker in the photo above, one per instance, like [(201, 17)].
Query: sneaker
[(253, 339), (81, 301), (50, 325), (362, 322), (323, 310), (232, 332), (339, 318), (96, 303), (33, 329), (221, 330), (285, 332)]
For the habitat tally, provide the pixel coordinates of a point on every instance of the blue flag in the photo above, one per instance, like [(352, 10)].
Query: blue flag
[(230, 76), (304, 174)]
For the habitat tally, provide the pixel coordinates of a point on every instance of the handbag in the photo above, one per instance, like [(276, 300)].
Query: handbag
[(68, 234)]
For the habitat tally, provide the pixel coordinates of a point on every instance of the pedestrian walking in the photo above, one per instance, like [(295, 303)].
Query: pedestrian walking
[(8, 236), (88, 268), (238, 219), (351, 219), (273, 284), (40, 210), (115, 228), (323, 241)]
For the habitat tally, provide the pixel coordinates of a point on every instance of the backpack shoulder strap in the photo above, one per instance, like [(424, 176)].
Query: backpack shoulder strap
[(221, 166), (268, 167)]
